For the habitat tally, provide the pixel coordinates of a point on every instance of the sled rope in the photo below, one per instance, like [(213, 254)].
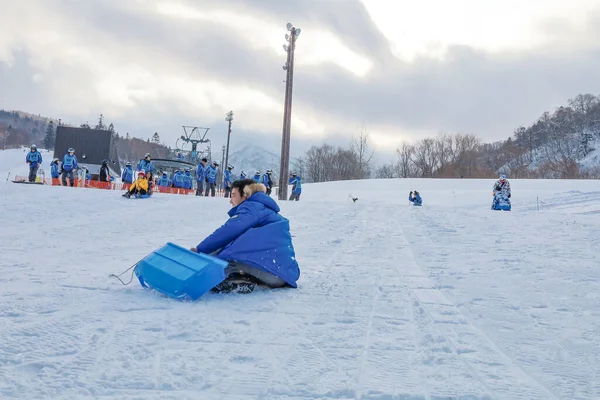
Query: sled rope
[(130, 278)]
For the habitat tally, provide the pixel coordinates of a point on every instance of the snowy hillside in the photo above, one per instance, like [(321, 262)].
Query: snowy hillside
[(540, 158), (250, 158), (447, 301)]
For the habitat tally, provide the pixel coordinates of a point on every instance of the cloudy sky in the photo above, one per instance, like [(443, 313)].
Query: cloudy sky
[(404, 69)]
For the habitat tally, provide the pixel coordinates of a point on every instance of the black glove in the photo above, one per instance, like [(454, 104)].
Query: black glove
[(509, 196)]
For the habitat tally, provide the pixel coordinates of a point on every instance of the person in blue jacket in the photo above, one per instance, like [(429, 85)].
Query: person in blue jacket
[(69, 165), (164, 180), (34, 159), (256, 240), (257, 178), (296, 181), (187, 179), (415, 198), (145, 164), (227, 180), (211, 179), (267, 181), (55, 172), (201, 171), (177, 181), (127, 175)]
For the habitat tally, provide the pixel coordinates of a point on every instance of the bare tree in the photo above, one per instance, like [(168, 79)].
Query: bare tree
[(386, 171), (360, 147), (405, 163)]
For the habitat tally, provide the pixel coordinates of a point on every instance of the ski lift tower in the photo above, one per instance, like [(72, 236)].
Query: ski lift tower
[(192, 136)]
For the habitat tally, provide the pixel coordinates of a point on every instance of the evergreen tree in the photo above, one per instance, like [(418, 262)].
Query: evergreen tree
[(50, 137), (156, 138), (111, 128), (100, 124)]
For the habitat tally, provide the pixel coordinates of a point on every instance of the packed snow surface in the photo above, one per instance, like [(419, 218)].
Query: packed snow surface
[(446, 301)]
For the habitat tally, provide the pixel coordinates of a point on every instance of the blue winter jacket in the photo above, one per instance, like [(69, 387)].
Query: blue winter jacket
[(265, 180), (256, 235), (201, 171), (297, 182), (127, 175), (164, 181), (54, 170), (69, 162), (177, 180), (256, 178), (416, 200), (187, 180), (212, 174), (35, 158), (146, 166), (227, 178)]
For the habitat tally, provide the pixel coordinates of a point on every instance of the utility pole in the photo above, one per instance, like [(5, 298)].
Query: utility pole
[(229, 118), (221, 169), (287, 111)]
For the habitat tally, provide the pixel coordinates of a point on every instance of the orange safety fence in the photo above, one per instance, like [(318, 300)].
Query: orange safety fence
[(116, 186)]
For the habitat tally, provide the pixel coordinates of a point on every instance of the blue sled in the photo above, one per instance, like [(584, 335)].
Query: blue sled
[(142, 196), (501, 202), (180, 273)]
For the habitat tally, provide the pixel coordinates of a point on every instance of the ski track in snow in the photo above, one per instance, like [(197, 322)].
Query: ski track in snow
[(394, 301)]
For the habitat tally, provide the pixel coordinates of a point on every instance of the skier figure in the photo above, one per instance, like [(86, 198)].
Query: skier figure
[(34, 159), (256, 241), (501, 193), (227, 180), (69, 165), (257, 177), (415, 198), (139, 187)]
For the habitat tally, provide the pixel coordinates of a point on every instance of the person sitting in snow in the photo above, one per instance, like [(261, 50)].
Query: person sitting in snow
[(502, 186), (415, 198), (256, 241), (139, 187), (150, 178), (501, 193)]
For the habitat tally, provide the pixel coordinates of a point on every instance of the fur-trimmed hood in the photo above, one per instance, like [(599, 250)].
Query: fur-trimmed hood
[(249, 190), (255, 193)]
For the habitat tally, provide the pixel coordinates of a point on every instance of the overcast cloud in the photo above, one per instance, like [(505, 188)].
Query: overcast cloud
[(404, 69)]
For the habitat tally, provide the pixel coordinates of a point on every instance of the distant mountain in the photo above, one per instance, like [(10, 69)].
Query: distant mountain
[(250, 158)]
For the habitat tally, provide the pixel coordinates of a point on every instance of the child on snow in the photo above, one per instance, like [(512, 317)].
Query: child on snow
[(140, 186), (415, 199)]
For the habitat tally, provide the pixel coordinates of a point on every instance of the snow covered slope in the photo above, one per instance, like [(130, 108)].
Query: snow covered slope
[(447, 301)]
